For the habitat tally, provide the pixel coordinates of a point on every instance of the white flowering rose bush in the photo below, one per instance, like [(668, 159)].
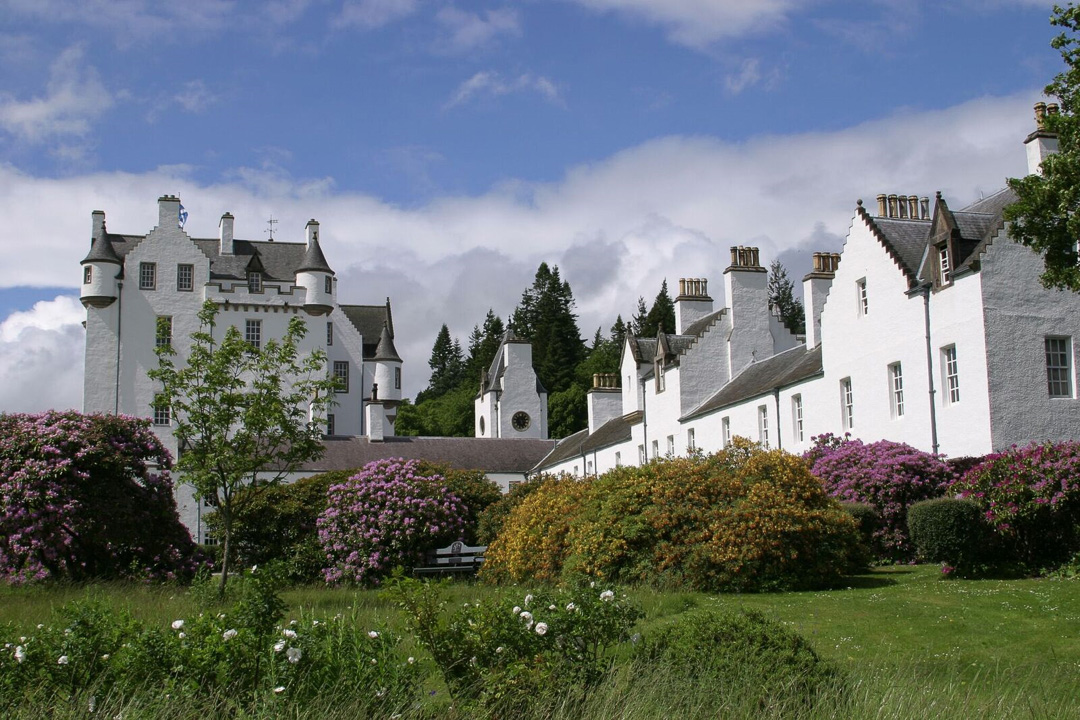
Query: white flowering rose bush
[(249, 653), (504, 653), (384, 517)]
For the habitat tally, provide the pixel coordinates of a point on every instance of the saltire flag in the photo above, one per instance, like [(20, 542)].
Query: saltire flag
[(183, 217)]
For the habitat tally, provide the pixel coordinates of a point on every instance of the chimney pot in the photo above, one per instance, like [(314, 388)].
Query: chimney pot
[(892, 205), (901, 207), (734, 257), (881, 205), (1052, 109), (913, 207), (1040, 115)]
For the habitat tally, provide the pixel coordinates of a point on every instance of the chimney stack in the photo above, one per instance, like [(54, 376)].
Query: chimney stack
[(311, 231), (605, 400), (693, 302), (1042, 143), (816, 286), (97, 225), (225, 234), (168, 212)]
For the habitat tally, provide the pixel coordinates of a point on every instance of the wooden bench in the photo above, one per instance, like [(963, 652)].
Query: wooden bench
[(456, 558)]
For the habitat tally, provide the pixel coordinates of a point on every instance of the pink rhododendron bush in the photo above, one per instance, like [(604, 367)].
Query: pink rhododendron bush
[(887, 475), (87, 496), (386, 516), (1030, 497)]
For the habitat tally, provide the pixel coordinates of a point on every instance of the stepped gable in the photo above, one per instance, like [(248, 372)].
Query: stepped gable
[(904, 240), (369, 321), (763, 377)]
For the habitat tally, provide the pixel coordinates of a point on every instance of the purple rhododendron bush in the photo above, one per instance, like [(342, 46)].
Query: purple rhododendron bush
[(87, 497), (386, 516), (1030, 497), (889, 476)]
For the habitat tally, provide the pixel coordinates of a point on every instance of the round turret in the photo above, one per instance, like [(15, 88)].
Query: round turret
[(387, 368), (315, 275), (100, 268)]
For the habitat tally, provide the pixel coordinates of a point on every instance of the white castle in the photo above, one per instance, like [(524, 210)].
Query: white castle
[(930, 328)]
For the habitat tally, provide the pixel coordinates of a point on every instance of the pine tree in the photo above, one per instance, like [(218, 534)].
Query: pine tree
[(660, 315), (546, 318), (782, 297), (618, 332), (447, 365), (637, 320)]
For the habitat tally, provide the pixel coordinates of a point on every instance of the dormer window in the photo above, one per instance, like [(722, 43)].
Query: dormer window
[(944, 265), (254, 281)]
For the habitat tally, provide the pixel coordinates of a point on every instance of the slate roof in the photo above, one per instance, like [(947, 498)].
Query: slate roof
[(761, 378), (904, 240), (613, 432), (280, 260), (369, 321), (314, 260), (386, 350), (101, 250), (492, 455)]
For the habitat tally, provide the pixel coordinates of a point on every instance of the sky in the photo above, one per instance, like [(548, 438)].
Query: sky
[(447, 148)]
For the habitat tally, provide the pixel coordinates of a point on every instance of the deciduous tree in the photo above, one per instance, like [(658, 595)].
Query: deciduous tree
[(244, 416)]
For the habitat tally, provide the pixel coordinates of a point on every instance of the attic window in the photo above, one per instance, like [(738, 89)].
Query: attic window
[(254, 281), (944, 265)]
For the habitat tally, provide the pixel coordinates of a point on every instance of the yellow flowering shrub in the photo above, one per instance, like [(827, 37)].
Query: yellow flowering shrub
[(531, 544), (741, 519)]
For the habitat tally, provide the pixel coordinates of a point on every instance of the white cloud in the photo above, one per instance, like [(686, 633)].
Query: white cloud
[(469, 31), (371, 14), (697, 23), (667, 208), (488, 83), (74, 97), (41, 357)]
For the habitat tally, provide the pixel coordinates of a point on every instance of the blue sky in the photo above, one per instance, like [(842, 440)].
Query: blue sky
[(449, 147)]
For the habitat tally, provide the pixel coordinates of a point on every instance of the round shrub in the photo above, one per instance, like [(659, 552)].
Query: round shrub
[(741, 519), (888, 475), (1030, 496), (472, 487), (775, 666), (87, 496), (949, 531), (868, 520), (386, 516), (532, 543)]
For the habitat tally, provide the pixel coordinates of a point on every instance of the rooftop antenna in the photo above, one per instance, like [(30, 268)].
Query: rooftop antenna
[(270, 230)]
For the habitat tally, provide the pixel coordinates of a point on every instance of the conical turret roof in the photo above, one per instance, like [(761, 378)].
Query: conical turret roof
[(101, 250), (314, 260), (386, 349)]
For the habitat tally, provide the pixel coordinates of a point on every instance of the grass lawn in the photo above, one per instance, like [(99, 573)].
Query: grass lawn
[(912, 644)]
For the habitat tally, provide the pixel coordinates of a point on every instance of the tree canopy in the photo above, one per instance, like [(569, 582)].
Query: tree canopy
[(1045, 217)]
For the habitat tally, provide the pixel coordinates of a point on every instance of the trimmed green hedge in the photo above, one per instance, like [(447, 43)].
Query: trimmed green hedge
[(950, 531)]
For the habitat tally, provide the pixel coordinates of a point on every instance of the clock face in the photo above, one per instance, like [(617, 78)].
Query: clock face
[(520, 421)]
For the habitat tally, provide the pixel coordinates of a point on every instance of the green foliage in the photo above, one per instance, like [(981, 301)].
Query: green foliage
[(447, 366), (545, 317), (494, 515), (99, 651), (765, 660), (245, 417), (1045, 216), (782, 297), (950, 531), (448, 415), (868, 520), (504, 653), (568, 411), (277, 524), (742, 519)]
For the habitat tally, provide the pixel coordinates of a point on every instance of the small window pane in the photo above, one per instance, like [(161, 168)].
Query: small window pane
[(185, 278), (254, 282), (147, 276), (341, 375), (88, 275), (1058, 367), (164, 331), (253, 333)]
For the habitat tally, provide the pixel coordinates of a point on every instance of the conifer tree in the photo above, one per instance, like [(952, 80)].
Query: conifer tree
[(660, 315), (546, 318), (782, 297)]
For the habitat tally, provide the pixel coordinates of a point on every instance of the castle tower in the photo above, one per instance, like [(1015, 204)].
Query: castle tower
[(315, 275), (101, 267)]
